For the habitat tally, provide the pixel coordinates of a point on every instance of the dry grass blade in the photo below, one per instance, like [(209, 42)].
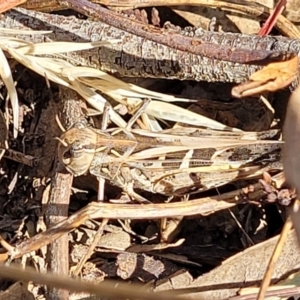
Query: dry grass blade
[(5, 74), (52, 68), (109, 84), (175, 113), (190, 132), (59, 47), (133, 94), (85, 80)]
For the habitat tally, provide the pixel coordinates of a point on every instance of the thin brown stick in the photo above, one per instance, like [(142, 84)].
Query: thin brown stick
[(58, 205), (274, 258), (90, 251), (278, 293), (20, 157), (173, 39), (250, 8)]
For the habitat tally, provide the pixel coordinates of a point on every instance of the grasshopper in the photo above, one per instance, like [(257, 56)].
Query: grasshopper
[(173, 162)]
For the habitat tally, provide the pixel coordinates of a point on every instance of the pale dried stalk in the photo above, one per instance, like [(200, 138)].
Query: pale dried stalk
[(108, 289)]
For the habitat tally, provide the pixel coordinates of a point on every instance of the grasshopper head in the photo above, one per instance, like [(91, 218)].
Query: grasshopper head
[(76, 149)]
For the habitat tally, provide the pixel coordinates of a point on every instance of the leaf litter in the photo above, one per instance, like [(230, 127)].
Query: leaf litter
[(208, 230)]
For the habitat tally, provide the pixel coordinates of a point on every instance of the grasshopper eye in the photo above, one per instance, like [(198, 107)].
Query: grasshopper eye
[(66, 161), (76, 150), (73, 153), (67, 155), (64, 153)]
